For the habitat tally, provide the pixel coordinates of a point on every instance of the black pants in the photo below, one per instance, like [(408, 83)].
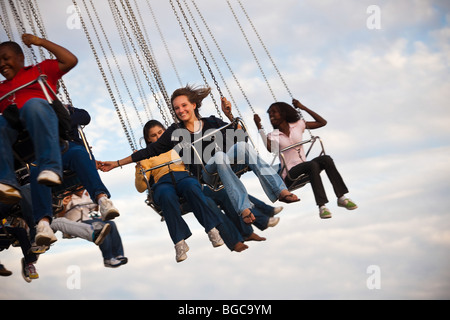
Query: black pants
[(313, 168)]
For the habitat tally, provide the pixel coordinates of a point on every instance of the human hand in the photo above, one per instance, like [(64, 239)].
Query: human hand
[(29, 39), (106, 166), (257, 120), (298, 104), (226, 107)]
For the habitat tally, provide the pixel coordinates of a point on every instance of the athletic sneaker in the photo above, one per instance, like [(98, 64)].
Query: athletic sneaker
[(44, 234), (9, 195), (273, 222), (122, 259), (107, 210), (324, 213), (215, 238), (347, 203), (112, 263), (101, 230), (29, 271), (277, 210), (181, 248), (48, 178)]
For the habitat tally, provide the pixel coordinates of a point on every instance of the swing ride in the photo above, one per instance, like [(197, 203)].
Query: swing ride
[(146, 75)]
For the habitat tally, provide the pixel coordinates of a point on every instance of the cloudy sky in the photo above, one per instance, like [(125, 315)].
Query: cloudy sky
[(379, 75)]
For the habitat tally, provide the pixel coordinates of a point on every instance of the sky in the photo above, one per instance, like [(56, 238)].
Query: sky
[(377, 71)]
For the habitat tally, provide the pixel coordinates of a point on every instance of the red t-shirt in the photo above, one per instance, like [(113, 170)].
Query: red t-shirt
[(25, 75)]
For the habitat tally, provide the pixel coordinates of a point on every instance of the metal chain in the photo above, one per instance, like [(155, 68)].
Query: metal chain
[(265, 49), (193, 53), (144, 48), (164, 42), (113, 3), (108, 65), (105, 79), (132, 65), (251, 49), (223, 56), (212, 58), (119, 69)]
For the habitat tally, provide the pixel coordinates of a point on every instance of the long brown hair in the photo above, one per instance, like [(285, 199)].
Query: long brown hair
[(194, 95)]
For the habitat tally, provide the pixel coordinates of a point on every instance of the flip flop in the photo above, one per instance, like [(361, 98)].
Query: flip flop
[(289, 198)]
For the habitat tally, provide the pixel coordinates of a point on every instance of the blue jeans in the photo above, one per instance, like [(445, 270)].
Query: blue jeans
[(243, 154), (41, 122), (223, 201), (166, 195), (228, 231), (112, 245), (76, 159)]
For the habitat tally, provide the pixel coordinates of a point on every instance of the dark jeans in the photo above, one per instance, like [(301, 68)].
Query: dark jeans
[(313, 169)]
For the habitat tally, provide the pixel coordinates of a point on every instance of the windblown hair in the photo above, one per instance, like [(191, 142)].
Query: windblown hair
[(286, 111), (194, 95)]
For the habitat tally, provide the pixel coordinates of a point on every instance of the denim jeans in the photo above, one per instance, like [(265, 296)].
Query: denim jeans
[(77, 160), (41, 122), (112, 245), (223, 201), (243, 154), (167, 194)]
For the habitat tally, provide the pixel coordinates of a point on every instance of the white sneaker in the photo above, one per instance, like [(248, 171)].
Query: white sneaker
[(107, 210), (273, 222), (277, 210), (48, 178), (44, 234), (181, 248), (215, 238), (112, 263), (324, 213), (9, 195)]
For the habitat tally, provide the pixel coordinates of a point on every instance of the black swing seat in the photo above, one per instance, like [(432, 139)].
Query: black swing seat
[(150, 200), (294, 183), (216, 184)]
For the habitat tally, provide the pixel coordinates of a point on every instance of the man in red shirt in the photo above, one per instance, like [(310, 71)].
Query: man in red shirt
[(36, 115)]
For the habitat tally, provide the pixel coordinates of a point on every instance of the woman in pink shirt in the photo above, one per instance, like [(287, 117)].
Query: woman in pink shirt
[(288, 130)]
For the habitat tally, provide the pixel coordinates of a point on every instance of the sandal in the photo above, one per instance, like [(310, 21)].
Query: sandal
[(289, 198)]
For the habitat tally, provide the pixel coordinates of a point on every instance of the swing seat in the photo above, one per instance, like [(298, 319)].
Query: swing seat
[(216, 184), (294, 183), (150, 200)]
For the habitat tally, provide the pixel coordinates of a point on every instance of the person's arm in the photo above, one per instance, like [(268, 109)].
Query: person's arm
[(226, 108), (163, 144), (318, 120), (66, 59), (263, 135)]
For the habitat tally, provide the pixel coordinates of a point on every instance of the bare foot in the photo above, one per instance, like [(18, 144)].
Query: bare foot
[(239, 247), (255, 237)]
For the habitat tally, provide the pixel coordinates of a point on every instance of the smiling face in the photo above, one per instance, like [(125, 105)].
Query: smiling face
[(184, 109), (275, 116), (11, 62)]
